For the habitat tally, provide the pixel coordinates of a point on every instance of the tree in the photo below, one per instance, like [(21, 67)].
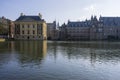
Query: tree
[(3, 30)]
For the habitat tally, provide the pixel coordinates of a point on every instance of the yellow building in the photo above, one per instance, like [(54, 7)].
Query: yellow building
[(30, 28)]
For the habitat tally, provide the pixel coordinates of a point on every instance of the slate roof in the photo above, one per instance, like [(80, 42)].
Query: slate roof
[(29, 18), (110, 21), (79, 24)]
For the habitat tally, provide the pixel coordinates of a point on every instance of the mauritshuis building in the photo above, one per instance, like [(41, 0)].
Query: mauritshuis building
[(94, 29), (30, 27)]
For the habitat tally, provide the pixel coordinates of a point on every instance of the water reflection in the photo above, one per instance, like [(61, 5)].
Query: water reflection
[(35, 60), (101, 52), (24, 51), (31, 51)]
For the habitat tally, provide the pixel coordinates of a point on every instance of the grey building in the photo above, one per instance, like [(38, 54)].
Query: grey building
[(111, 27), (104, 28), (51, 29)]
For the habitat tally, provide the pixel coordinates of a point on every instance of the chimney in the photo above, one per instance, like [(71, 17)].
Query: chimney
[(40, 15), (21, 14)]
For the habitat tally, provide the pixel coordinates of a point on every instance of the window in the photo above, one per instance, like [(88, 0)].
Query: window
[(22, 32), (33, 32), (28, 25), (41, 25), (28, 32), (22, 26), (33, 26), (100, 30)]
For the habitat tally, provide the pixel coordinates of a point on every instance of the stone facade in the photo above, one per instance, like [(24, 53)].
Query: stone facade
[(77, 31), (111, 27), (30, 28), (51, 29), (11, 29), (63, 32), (104, 28)]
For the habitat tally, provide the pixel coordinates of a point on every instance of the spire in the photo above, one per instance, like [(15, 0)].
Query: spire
[(58, 24), (68, 20), (92, 17), (95, 18)]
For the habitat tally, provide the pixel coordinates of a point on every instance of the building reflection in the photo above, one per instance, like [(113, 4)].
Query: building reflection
[(27, 52), (94, 52), (31, 51), (24, 52)]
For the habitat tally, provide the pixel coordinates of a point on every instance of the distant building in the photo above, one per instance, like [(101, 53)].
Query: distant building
[(77, 31), (96, 29), (11, 29), (51, 29), (104, 28), (63, 32), (30, 27), (111, 27), (6, 28)]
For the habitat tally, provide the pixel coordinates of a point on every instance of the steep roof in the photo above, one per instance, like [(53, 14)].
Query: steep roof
[(29, 18), (110, 21), (79, 24)]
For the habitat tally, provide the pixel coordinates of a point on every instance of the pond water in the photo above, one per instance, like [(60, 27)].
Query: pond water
[(59, 60)]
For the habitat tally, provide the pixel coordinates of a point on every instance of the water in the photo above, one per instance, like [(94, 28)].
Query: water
[(42, 60)]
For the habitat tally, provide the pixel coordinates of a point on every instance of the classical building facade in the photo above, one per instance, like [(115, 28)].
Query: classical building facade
[(30, 27)]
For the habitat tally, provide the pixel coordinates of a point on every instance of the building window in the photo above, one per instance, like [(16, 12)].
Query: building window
[(33, 26), (28, 25), (22, 26), (41, 25), (22, 32), (33, 32), (100, 30), (28, 32)]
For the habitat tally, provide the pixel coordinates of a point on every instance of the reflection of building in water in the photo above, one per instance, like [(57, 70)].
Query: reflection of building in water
[(31, 50), (12, 46), (92, 56)]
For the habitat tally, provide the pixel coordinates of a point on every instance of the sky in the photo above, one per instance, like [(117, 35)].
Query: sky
[(60, 10)]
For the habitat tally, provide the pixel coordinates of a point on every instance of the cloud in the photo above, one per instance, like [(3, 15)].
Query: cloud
[(90, 8)]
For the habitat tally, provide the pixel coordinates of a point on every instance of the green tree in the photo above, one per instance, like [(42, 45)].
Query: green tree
[(3, 30)]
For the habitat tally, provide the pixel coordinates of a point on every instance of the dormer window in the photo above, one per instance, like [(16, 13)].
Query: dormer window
[(33, 26), (28, 26)]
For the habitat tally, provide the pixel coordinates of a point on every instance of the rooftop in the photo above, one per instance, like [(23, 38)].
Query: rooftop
[(30, 18)]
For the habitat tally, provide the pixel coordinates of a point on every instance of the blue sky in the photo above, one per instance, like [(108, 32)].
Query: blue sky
[(60, 10)]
